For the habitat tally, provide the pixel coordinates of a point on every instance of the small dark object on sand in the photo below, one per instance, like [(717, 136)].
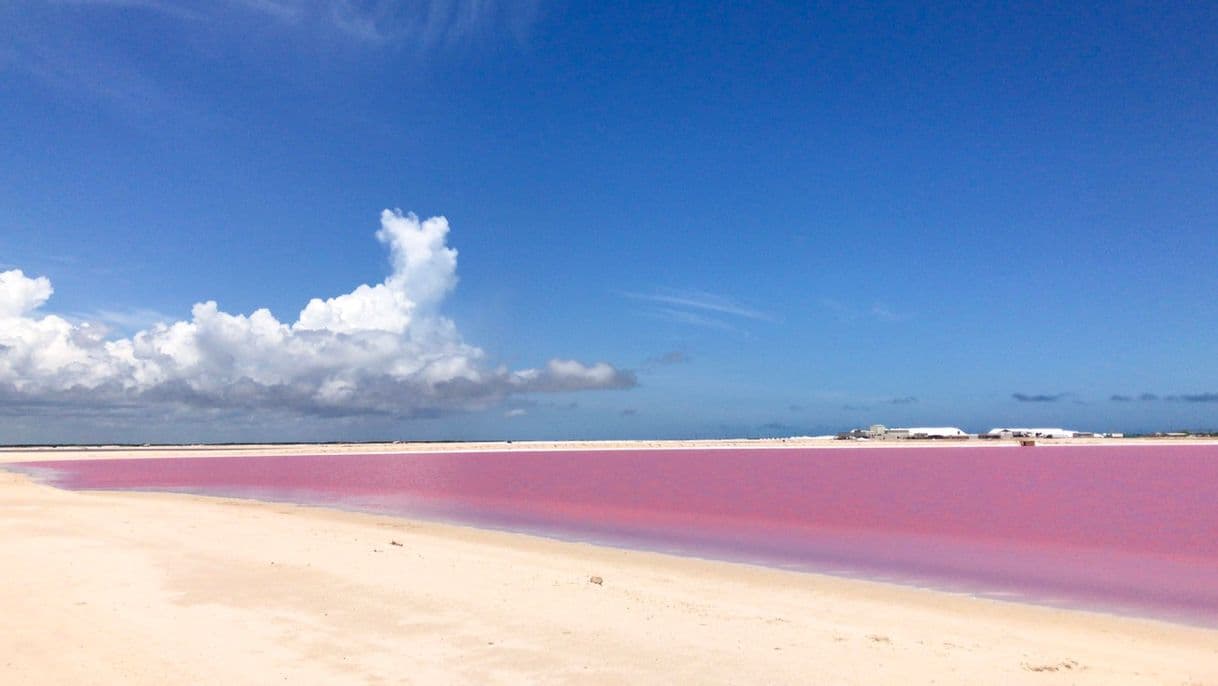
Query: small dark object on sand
[(395, 543), (596, 580)]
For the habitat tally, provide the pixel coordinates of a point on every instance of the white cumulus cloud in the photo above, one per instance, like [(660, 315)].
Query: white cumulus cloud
[(20, 294), (380, 349)]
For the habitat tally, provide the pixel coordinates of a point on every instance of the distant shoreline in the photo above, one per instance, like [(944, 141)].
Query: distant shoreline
[(113, 451)]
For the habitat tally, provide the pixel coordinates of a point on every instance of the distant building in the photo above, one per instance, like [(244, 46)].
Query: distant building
[(879, 431), (1031, 433), (932, 432)]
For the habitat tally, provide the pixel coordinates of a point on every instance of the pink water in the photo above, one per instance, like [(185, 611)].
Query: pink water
[(1117, 528)]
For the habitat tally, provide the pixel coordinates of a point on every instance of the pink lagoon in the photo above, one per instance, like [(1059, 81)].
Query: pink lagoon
[(1123, 528)]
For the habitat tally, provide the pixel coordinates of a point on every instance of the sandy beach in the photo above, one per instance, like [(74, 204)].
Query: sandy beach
[(71, 452), (152, 588)]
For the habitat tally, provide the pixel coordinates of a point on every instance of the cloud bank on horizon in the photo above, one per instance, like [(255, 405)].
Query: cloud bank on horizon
[(382, 349)]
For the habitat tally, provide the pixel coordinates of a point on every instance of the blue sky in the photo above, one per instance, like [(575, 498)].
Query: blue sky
[(777, 219)]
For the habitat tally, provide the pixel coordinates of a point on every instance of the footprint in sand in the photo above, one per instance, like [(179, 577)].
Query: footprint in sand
[(1064, 665)]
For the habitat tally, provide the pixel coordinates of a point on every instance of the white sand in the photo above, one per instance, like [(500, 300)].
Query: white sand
[(10, 454), (154, 589)]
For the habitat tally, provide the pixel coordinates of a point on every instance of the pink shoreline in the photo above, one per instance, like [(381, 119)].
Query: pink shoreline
[(1131, 529)]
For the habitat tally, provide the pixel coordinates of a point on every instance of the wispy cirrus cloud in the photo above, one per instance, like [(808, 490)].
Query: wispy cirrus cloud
[(885, 314), (433, 23), (690, 318), (426, 23), (171, 8), (63, 46), (699, 308), (707, 302), (877, 311)]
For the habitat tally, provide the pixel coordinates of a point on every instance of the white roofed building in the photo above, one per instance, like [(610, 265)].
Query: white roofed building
[(1004, 432)]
